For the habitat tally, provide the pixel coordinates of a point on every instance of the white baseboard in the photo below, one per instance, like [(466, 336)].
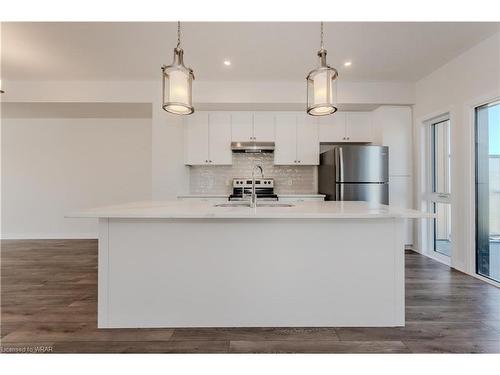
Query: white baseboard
[(48, 236), (485, 279)]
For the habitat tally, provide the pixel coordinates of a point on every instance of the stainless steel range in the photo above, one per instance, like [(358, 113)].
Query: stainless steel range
[(242, 189)]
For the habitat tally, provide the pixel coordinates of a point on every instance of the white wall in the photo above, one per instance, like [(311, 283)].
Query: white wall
[(51, 167), (229, 92), (170, 177), (456, 87)]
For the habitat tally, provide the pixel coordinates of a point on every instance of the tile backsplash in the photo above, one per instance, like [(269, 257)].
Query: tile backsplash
[(288, 179)]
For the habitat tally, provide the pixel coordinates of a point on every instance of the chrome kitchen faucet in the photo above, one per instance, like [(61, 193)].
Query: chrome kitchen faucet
[(253, 197)]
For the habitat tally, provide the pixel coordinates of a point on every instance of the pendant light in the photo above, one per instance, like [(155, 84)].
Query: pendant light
[(321, 86), (177, 83)]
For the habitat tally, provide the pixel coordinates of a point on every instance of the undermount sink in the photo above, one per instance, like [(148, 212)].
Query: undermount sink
[(258, 205)]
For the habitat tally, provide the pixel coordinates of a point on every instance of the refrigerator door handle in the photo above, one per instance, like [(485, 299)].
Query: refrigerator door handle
[(339, 164), (339, 171)]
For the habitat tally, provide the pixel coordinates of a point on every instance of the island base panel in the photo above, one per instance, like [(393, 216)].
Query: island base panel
[(251, 273)]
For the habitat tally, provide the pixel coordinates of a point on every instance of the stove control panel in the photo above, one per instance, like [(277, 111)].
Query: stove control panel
[(247, 182)]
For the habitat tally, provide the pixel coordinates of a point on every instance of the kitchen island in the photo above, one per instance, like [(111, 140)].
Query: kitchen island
[(196, 264)]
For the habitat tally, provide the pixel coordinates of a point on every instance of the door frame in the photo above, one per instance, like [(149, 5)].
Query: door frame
[(471, 233), (426, 227), (434, 198)]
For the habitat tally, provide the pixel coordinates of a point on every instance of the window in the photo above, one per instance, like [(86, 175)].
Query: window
[(441, 186), (487, 128)]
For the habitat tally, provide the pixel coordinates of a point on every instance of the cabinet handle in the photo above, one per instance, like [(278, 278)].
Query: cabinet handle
[(206, 161)]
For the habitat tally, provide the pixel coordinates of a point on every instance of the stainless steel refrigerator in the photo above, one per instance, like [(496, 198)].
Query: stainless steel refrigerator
[(355, 173)]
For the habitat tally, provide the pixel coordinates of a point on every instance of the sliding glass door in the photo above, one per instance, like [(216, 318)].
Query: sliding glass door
[(488, 190)]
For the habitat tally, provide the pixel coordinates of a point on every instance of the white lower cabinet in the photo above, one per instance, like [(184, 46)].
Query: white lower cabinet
[(208, 139), (296, 141), (401, 195)]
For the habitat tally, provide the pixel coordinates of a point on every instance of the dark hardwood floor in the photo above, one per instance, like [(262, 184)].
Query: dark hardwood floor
[(49, 294)]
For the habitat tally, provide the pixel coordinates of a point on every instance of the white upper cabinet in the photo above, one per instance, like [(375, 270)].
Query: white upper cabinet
[(285, 150), (394, 127), (242, 126), (332, 128), (208, 136), (196, 138), (252, 126), (219, 136), (307, 140), (359, 127), (296, 140), (346, 127), (208, 139), (263, 126)]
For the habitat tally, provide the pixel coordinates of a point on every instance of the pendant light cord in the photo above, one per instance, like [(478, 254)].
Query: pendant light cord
[(178, 34), (322, 45)]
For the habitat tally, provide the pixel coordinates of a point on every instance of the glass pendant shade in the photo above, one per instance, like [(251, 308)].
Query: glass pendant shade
[(177, 86), (322, 88)]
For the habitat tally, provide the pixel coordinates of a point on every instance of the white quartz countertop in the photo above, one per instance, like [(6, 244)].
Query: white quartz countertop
[(221, 196), (301, 195), (186, 209), (226, 195)]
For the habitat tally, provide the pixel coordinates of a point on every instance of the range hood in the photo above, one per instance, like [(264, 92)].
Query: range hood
[(252, 147)]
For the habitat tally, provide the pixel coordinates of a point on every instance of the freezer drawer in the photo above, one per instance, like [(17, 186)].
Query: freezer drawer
[(373, 192)]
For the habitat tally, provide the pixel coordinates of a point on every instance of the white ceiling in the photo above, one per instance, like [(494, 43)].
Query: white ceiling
[(259, 51)]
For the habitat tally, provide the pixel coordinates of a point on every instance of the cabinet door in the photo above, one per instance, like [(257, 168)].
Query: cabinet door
[(396, 125), (219, 150), (307, 140), (242, 126), (196, 139), (263, 126), (332, 128), (285, 152), (359, 127), (400, 195)]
